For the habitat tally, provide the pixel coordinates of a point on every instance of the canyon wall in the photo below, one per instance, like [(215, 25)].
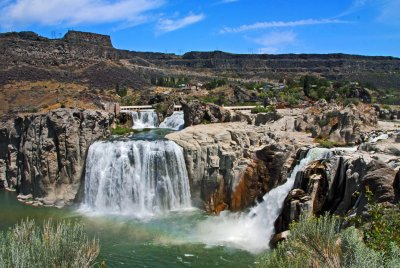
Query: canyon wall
[(43, 155)]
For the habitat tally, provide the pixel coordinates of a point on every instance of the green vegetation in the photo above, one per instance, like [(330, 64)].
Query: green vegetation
[(174, 82), (328, 143), (120, 130), (121, 90), (261, 109), (382, 227), (215, 83), (322, 242), (61, 244)]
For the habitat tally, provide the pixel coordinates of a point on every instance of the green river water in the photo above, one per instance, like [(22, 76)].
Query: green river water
[(129, 242)]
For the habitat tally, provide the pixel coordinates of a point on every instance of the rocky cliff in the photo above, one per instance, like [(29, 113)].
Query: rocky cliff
[(339, 184), (43, 155), (232, 165)]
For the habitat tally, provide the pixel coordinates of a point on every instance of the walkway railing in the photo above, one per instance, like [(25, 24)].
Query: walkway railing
[(179, 108)]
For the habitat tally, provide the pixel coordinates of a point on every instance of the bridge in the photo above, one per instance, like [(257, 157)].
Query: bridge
[(144, 108)]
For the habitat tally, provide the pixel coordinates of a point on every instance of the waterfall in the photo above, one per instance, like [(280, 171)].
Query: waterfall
[(139, 178), (252, 231), (144, 119), (175, 121)]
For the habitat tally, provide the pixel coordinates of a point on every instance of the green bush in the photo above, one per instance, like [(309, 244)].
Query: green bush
[(320, 242), (381, 228), (61, 244), (328, 143), (120, 130), (261, 109)]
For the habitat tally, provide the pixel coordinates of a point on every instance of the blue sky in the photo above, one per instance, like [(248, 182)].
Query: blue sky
[(367, 27)]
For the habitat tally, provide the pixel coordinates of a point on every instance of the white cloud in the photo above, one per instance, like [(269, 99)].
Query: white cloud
[(274, 42), (279, 24), (74, 12), (169, 25)]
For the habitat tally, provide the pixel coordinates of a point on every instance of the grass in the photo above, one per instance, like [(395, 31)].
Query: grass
[(55, 244)]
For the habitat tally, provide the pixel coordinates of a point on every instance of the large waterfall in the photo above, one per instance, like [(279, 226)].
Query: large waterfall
[(139, 178), (149, 119), (252, 231)]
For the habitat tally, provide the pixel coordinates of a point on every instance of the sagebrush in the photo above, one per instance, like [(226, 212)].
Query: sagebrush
[(53, 244)]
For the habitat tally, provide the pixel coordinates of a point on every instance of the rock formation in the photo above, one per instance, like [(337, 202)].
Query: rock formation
[(341, 125), (196, 113), (44, 154), (340, 183), (230, 166)]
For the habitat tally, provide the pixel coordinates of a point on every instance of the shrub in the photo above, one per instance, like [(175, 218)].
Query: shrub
[(261, 109), (120, 130), (320, 242), (328, 143), (61, 244)]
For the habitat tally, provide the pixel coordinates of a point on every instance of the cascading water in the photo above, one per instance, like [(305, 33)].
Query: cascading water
[(144, 119), (139, 178), (176, 121), (252, 231), (149, 119)]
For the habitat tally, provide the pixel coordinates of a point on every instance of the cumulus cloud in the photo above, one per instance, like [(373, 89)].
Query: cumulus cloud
[(279, 24), (275, 41), (169, 25), (74, 12)]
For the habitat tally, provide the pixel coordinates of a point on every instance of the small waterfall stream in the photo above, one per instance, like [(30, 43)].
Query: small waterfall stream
[(144, 119), (175, 121), (139, 178), (149, 119), (252, 231)]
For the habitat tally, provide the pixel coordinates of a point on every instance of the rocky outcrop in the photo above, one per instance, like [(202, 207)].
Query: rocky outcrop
[(341, 125), (230, 166), (338, 185), (44, 154), (196, 113)]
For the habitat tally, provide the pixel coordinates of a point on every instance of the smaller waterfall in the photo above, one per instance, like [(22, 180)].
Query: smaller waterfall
[(144, 119), (139, 178), (175, 121), (252, 231)]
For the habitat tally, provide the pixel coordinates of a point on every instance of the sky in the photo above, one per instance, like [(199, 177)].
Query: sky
[(364, 27)]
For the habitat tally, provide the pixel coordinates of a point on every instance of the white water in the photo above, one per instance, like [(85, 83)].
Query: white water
[(144, 119), (175, 121), (149, 119), (382, 136), (136, 178), (252, 231)]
